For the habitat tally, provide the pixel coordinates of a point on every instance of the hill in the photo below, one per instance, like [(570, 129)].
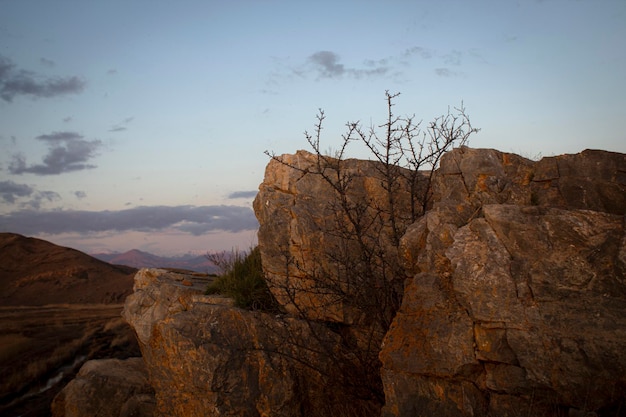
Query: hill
[(37, 272), (58, 308), (139, 259)]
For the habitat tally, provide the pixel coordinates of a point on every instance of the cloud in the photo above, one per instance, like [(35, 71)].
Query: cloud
[(424, 53), (11, 192), (121, 126), (40, 196), (47, 62), (15, 82), (326, 64), (194, 220), (446, 72), (452, 58), (67, 152), (60, 136), (243, 194), (80, 194)]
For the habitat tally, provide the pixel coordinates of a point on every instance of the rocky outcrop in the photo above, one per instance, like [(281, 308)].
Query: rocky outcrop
[(107, 387), (517, 300), (513, 299), (207, 358), (319, 218)]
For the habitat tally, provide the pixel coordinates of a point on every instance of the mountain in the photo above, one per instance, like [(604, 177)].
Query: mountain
[(139, 259), (37, 272)]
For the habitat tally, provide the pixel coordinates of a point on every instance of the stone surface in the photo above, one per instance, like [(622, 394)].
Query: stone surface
[(208, 358), (107, 388), (514, 303), (310, 234), (518, 294)]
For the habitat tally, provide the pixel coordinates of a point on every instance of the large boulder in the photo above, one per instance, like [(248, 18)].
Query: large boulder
[(518, 291), (208, 358), (107, 388)]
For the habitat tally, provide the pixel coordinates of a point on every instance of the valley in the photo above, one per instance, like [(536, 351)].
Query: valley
[(41, 348)]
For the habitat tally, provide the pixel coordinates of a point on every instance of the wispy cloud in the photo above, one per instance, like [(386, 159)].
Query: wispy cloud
[(18, 82), (326, 64), (121, 126), (420, 51), (47, 62), (453, 58), (80, 194), (194, 220), (67, 152), (243, 194), (446, 72)]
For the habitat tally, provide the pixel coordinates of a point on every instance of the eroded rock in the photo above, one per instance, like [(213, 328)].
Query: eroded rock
[(107, 387), (208, 358), (516, 305), (315, 217)]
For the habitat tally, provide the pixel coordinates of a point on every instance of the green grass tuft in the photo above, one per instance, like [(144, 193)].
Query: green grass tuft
[(243, 280)]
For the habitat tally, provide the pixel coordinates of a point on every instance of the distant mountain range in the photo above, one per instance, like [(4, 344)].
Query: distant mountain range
[(138, 259)]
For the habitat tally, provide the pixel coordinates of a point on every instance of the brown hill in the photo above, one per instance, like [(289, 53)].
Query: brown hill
[(58, 308), (36, 272)]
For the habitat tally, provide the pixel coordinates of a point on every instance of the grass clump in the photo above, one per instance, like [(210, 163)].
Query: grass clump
[(242, 279)]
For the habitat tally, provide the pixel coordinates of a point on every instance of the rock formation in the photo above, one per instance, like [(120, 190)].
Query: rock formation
[(512, 303), (207, 358), (317, 218), (107, 387), (517, 300)]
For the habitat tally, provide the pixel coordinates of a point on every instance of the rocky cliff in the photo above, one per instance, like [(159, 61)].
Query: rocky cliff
[(517, 300), (507, 297)]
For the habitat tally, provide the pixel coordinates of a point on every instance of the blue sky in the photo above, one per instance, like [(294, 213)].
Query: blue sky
[(142, 124)]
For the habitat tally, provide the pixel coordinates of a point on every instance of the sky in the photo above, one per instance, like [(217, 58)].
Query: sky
[(143, 124)]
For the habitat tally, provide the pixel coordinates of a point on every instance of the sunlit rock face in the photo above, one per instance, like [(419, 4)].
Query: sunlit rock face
[(517, 300), (307, 238), (208, 358)]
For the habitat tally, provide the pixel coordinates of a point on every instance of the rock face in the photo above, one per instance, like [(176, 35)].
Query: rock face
[(207, 358), (107, 387), (323, 222), (512, 288), (518, 296)]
